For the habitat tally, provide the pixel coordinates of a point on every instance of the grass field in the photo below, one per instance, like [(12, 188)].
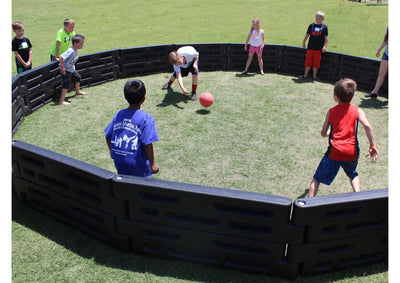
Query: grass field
[(277, 154)]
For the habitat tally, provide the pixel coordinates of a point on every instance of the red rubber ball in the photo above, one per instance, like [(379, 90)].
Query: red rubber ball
[(206, 99)]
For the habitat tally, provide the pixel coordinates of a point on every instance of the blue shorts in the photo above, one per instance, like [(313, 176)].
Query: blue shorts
[(385, 57), (328, 169)]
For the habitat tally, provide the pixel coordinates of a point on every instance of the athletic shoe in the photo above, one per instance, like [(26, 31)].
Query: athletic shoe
[(193, 96), (316, 79), (166, 86)]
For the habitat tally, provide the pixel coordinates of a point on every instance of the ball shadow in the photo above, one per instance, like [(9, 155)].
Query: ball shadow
[(203, 112)]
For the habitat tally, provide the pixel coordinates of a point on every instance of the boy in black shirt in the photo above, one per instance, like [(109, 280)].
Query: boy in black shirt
[(317, 43), (22, 48)]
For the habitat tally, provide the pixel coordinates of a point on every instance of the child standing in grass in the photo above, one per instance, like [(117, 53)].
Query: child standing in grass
[(67, 62), (63, 39), (22, 48), (131, 134), (317, 43), (257, 42), (184, 60), (340, 126)]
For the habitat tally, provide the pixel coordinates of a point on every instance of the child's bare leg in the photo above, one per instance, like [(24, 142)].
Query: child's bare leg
[(62, 97), (77, 89), (248, 62), (313, 188), (306, 71), (355, 184), (260, 62), (383, 69), (172, 78), (315, 72), (195, 79)]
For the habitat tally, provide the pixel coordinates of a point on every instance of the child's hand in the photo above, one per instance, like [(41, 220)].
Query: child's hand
[(185, 91), (155, 168), (373, 152)]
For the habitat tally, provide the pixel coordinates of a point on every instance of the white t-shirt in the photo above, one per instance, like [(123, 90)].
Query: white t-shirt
[(256, 39), (189, 53)]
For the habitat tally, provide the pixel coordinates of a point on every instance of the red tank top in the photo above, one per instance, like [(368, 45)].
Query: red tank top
[(343, 143)]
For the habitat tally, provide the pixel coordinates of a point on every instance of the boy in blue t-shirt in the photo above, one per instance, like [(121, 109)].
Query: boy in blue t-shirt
[(131, 134)]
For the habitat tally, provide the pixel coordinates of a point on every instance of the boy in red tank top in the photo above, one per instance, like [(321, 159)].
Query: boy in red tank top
[(340, 125)]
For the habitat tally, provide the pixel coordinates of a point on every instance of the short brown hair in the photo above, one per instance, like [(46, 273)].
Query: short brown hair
[(173, 57), (17, 25), (68, 21), (345, 89)]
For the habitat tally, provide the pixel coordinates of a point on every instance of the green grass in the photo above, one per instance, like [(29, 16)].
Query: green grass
[(354, 28), (261, 135)]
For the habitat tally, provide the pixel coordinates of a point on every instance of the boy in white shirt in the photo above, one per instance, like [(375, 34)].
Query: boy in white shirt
[(184, 60)]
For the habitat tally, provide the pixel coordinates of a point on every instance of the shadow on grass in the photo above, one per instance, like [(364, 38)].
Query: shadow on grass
[(92, 249), (302, 81), (241, 75), (56, 98), (173, 98), (203, 112), (374, 102), (377, 4)]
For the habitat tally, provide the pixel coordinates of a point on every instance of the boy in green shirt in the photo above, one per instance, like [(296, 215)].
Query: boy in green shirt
[(63, 39)]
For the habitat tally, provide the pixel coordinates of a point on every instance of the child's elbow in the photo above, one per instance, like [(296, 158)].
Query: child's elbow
[(324, 133)]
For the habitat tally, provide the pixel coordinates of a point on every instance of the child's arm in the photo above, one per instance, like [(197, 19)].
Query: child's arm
[(150, 155), (326, 130), (247, 41), (180, 82), (30, 57), (57, 49), (19, 58), (195, 63), (305, 39), (263, 42), (373, 150), (325, 44), (61, 60), (378, 52)]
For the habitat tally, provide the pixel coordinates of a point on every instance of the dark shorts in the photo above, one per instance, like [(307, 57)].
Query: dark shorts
[(69, 77), (328, 169), (385, 57), (186, 71)]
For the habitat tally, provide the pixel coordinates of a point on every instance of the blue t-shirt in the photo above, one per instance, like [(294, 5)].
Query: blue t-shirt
[(129, 132)]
